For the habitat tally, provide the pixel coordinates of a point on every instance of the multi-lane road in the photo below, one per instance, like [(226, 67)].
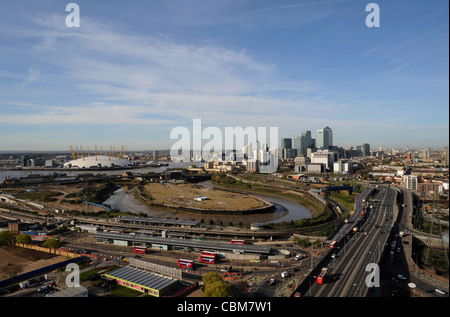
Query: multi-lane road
[(352, 264)]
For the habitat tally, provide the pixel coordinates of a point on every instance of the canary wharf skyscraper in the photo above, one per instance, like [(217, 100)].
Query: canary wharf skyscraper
[(324, 138)]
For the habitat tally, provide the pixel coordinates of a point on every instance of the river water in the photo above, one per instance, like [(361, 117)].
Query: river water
[(73, 173), (126, 202)]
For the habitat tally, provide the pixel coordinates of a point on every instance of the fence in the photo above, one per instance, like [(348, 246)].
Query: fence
[(156, 268)]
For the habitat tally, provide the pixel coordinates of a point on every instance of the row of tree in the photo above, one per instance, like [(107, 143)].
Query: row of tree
[(7, 237)]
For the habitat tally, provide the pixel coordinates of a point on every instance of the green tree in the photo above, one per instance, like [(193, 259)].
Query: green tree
[(6, 237), (218, 289), (211, 277), (24, 238), (52, 243)]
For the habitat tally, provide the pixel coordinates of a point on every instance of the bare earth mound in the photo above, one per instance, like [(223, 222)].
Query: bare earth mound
[(182, 196), (19, 260)]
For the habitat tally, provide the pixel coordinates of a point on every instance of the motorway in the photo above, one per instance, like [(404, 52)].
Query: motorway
[(346, 263)]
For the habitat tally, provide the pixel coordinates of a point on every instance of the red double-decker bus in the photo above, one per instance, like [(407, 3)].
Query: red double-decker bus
[(237, 241), (332, 244), (208, 257), (188, 264), (321, 276), (142, 250)]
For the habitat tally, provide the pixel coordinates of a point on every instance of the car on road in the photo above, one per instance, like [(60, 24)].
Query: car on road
[(440, 291), (402, 277), (43, 288), (50, 293)]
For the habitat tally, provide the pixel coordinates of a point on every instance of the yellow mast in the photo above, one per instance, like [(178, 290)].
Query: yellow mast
[(78, 154), (82, 154), (73, 154), (121, 150), (96, 152)]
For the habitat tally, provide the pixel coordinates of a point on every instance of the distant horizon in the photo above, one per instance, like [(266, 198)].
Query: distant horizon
[(133, 71), (401, 148)]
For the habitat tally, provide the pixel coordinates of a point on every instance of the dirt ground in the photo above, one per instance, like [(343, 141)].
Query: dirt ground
[(65, 190), (19, 260), (183, 195)]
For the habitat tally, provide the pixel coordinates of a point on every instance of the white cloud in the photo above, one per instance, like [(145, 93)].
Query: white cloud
[(131, 77)]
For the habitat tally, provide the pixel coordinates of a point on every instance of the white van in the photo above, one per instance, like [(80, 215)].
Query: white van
[(285, 274), (440, 291)]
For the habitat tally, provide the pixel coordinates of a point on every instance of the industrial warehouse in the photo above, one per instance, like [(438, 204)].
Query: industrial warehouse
[(142, 281)]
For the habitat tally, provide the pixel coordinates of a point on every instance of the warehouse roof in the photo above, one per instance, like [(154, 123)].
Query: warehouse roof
[(185, 242), (142, 278)]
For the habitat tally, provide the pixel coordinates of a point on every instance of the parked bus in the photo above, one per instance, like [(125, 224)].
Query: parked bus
[(321, 276), (142, 250), (188, 264), (208, 257), (237, 241)]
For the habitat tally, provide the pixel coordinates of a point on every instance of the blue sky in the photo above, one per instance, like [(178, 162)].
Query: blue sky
[(134, 70)]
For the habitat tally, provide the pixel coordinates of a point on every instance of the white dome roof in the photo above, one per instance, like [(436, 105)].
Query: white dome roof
[(97, 161)]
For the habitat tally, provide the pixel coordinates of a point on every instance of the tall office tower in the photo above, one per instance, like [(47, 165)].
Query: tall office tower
[(324, 138), (287, 152), (366, 149), (306, 142), (286, 143), (297, 144)]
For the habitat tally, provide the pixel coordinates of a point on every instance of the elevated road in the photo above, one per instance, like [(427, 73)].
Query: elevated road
[(361, 244)]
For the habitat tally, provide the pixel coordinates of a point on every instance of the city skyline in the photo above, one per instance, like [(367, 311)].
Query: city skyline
[(133, 71)]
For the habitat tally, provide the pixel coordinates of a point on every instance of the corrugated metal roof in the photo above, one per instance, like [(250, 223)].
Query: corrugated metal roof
[(143, 278), (185, 242)]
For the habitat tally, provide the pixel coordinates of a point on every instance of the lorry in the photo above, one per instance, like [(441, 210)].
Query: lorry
[(285, 274)]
